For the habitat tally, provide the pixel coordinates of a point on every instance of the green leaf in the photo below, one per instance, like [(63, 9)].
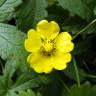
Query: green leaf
[(35, 11), (2, 86), (7, 8), (28, 93), (76, 7), (23, 93), (51, 2), (23, 81), (90, 3), (85, 90), (11, 93), (28, 84), (12, 45), (12, 50)]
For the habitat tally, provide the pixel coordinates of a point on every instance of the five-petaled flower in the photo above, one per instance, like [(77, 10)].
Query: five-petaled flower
[(48, 49)]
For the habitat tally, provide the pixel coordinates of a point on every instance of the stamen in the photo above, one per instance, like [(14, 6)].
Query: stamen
[(48, 48)]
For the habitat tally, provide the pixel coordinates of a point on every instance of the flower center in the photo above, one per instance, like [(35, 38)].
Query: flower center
[(48, 48)]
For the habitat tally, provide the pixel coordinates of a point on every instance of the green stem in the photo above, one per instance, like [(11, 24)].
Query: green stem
[(66, 87), (91, 76), (76, 72), (85, 28)]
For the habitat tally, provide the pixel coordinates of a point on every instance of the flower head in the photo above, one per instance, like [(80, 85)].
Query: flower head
[(48, 49)]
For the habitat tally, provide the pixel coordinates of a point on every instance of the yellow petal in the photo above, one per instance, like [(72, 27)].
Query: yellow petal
[(40, 63), (63, 42), (61, 60), (48, 30), (60, 66), (64, 36), (33, 43), (65, 47)]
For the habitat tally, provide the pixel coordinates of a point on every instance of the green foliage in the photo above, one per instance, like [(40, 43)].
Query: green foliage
[(86, 89), (23, 81), (7, 8), (70, 73), (23, 93), (51, 2), (12, 50), (75, 16), (77, 7), (12, 45), (28, 93), (35, 11)]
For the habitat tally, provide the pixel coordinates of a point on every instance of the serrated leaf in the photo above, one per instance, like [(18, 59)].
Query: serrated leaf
[(35, 11), (12, 50), (12, 45), (76, 7), (7, 7)]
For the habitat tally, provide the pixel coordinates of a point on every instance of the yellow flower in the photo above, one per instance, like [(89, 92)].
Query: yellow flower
[(48, 49)]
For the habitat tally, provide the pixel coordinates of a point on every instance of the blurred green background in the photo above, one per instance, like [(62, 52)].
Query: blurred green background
[(74, 16)]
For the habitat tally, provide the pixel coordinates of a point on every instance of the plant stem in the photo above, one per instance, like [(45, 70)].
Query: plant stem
[(85, 28), (76, 72), (90, 76), (67, 89)]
